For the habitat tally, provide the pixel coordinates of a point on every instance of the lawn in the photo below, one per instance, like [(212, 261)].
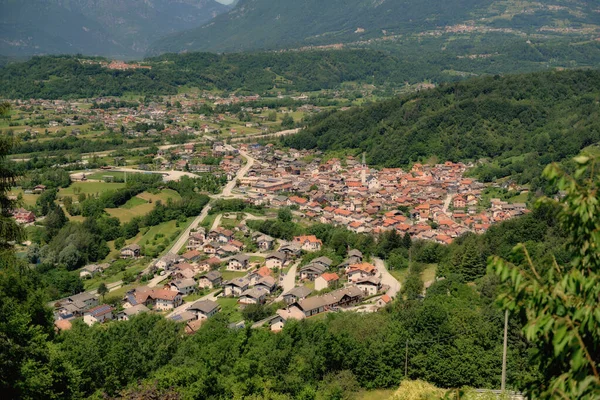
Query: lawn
[(230, 307), (28, 199), (105, 175), (229, 275), (134, 202), (141, 204), (89, 188), (93, 283), (429, 273)]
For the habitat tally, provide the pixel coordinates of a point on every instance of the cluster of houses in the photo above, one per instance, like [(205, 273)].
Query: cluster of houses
[(432, 202)]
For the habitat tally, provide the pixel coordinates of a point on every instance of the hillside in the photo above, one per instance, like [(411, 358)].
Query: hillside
[(117, 28), (72, 77), (280, 24), (522, 122)]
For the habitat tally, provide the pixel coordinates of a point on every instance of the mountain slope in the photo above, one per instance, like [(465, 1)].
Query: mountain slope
[(277, 24), (522, 122), (119, 28)]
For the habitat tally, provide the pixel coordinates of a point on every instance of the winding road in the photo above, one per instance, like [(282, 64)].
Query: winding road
[(387, 278)]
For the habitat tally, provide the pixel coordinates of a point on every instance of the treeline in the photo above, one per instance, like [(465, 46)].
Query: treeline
[(75, 145), (518, 123), (55, 77)]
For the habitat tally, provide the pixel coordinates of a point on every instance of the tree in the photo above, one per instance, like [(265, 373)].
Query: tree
[(10, 231), (558, 304), (284, 214), (287, 121), (102, 290), (407, 240)]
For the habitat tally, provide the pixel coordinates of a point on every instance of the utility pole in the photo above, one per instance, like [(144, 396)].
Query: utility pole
[(406, 360), (503, 384)]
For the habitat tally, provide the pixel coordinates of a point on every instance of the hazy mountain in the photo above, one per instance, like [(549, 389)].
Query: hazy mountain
[(276, 24), (118, 28)]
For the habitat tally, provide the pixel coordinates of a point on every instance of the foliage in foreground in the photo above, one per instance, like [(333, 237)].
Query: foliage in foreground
[(558, 304)]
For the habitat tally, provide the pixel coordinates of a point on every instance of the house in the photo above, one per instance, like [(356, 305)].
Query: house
[(239, 262), (357, 272), (23, 216), (210, 279), (191, 256), (326, 280), (89, 271), (296, 294), (312, 271), (268, 283), (308, 242), (256, 295), (204, 308), (383, 301), (39, 189), (291, 251), (275, 260), (195, 241), (235, 287), (345, 297), (369, 285), (127, 313), (76, 305), (354, 257), (131, 251), (265, 242), (160, 299), (167, 261), (100, 313), (183, 286), (324, 261), (210, 263)]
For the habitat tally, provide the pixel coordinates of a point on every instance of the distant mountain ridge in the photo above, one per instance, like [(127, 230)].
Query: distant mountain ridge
[(115, 28), (280, 24)]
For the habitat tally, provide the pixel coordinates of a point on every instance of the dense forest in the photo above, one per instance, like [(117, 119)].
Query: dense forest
[(67, 77), (518, 123)]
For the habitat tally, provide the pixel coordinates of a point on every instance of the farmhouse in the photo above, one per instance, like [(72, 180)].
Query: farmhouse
[(131, 251), (100, 313)]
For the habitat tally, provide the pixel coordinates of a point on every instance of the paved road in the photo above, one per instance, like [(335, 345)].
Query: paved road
[(158, 279), (289, 281), (217, 221), (240, 174), (447, 203), (387, 278)]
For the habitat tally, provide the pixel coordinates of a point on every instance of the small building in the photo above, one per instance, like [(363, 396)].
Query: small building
[(296, 294), (275, 260), (100, 314), (127, 313), (327, 280), (255, 295), (131, 251), (369, 285), (265, 242), (308, 242), (204, 308), (235, 287), (312, 271), (210, 280), (239, 262), (183, 286)]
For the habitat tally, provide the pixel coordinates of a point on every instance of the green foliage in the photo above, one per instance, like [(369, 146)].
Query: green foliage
[(9, 230), (523, 122), (558, 302)]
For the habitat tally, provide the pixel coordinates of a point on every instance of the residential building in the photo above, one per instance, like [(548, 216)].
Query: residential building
[(100, 313)]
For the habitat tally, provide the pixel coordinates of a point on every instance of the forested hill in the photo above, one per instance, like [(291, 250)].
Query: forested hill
[(277, 24), (521, 122), (54, 77)]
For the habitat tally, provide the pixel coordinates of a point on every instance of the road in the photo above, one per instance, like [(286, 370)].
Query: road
[(267, 135), (289, 281), (158, 279), (215, 224), (240, 174), (447, 203), (387, 278)]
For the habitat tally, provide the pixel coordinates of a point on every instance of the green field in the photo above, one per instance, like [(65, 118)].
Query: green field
[(89, 188), (230, 307), (141, 204), (381, 394), (28, 199)]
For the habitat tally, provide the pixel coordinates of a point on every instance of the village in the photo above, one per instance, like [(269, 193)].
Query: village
[(228, 267)]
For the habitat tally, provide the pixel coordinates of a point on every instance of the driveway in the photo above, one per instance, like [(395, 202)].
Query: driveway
[(289, 281), (387, 278)]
